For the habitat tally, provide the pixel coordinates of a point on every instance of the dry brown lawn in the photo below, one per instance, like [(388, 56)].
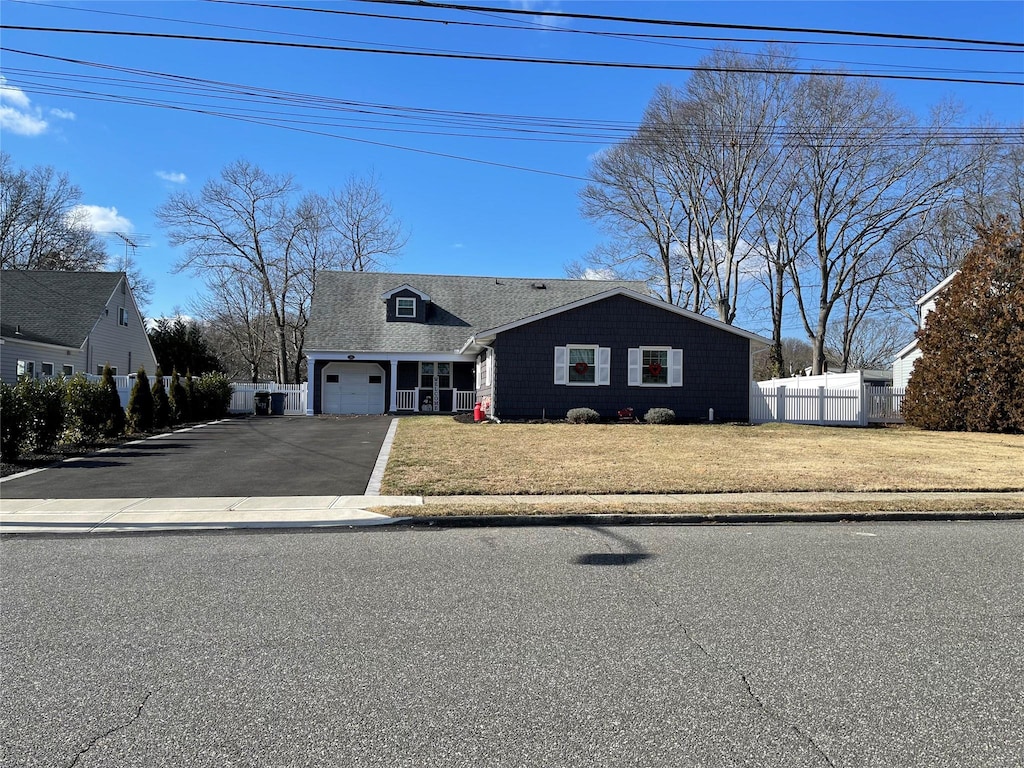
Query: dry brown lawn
[(436, 456)]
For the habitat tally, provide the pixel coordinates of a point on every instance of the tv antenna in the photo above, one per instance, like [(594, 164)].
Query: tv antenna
[(128, 243)]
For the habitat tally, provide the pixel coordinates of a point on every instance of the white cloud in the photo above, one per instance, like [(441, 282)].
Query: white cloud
[(599, 274), (100, 219), (457, 245), (17, 114), (172, 176), (62, 114)]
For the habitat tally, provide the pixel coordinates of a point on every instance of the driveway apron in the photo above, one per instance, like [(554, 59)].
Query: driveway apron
[(253, 456)]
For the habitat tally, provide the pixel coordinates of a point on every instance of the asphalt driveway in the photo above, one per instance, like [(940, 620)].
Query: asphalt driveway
[(254, 456)]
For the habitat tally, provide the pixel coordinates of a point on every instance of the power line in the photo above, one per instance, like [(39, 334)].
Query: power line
[(502, 59), (696, 24), (310, 109)]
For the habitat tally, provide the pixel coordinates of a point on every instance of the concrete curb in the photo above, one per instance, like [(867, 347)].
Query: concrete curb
[(717, 518)]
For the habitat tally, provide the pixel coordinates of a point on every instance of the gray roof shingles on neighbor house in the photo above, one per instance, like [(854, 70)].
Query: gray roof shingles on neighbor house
[(349, 314), (53, 307)]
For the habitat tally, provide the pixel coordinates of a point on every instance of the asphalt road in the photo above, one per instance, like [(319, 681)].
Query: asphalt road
[(266, 456), (788, 646)]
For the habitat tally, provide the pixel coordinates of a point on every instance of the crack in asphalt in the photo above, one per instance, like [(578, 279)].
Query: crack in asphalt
[(723, 665), (131, 721)]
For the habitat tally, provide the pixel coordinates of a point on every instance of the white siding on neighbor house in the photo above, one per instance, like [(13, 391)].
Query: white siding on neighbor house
[(903, 366), (125, 347), (12, 350)]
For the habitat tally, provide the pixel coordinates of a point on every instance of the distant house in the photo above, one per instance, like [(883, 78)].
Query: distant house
[(523, 348), (63, 323), (906, 357)]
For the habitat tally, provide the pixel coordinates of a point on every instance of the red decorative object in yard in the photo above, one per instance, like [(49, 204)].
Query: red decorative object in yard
[(581, 367)]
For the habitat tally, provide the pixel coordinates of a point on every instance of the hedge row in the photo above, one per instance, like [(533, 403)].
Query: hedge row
[(38, 415)]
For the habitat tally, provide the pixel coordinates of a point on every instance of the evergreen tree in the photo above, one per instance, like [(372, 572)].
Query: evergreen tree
[(191, 411), (971, 373), (178, 399), (140, 404), (161, 404), (114, 423)]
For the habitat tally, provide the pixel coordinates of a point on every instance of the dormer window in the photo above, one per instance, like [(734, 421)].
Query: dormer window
[(405, 306)]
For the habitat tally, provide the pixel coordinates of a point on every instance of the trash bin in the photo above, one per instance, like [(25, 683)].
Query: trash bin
[(277, 403), (261, 403)]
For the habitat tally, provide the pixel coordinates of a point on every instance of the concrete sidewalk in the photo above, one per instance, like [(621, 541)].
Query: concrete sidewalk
[(206, 513)]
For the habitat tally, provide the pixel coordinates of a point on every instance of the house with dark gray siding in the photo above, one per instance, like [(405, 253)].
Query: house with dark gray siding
[(522, 348), (63, 323)]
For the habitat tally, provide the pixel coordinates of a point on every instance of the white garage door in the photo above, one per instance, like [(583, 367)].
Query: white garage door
[(353, 388)]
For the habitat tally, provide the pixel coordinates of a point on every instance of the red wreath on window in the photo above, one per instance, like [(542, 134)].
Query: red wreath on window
[(581, 367), (655, 369)]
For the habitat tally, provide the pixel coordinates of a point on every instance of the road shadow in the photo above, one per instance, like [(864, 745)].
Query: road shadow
[(632, 553)]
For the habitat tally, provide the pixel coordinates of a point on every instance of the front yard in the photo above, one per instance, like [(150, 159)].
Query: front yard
[(437, 456)]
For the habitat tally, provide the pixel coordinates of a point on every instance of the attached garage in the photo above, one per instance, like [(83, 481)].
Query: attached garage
[(353, 388)]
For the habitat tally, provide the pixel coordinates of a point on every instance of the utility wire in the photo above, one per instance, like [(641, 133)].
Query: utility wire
[(498, 58), (678, 23)]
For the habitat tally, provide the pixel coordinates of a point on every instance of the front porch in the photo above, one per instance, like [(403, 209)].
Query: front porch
[(421, 400)]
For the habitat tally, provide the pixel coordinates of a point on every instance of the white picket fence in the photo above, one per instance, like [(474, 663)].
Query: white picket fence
[(848, 407), (241, 395)]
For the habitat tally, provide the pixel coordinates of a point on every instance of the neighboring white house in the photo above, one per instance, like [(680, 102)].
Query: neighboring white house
[(63, 323), (906, 357)]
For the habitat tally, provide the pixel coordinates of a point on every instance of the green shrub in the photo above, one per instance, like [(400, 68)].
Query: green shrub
[(211, 396), (140, 404), (582, 416), (13, 423), (85, 410), (114, 422), (177, 399), (161, 404), (660, 416), (45, 399)]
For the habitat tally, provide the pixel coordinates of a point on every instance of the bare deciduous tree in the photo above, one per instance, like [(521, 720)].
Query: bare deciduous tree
[(865, 181), (39, 228), (367, 233), (260, 251)]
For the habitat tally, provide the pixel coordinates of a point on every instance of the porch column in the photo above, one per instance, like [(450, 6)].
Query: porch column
[(394, 387), (310, 365)]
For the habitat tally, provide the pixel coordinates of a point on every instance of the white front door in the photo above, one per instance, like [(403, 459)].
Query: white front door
[(353, 388)]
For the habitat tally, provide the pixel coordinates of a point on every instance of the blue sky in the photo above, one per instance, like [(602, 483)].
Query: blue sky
[(463, 217)]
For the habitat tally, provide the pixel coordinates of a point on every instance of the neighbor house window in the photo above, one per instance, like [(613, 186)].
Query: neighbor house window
[(655, 367), (122, 316), (582, 365), (99, 370), (26, 368), (46, 369), (405, 307), (427, 375), (68, 370)]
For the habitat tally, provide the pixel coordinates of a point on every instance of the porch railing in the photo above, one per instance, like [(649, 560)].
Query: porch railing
[(406, 400)]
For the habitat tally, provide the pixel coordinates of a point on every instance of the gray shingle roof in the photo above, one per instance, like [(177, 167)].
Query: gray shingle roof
[(53, 307), (348, 314)]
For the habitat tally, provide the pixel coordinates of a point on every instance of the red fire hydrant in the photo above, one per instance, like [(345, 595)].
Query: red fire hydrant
[(478, 412)]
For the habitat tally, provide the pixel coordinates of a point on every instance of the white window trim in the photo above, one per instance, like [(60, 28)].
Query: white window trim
[(45, 363), (673, 374), (398, 306), (602, 366), (26, 368), (67, 370), (122, 316)]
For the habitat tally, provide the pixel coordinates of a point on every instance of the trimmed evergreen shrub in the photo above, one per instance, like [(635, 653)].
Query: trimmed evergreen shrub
[(212, 396), (177, 399), (13, 423), (582, 416), (115, 422), (660, 416), (970, 376), (85, 410), (161, 404), (44, 400), (192, 411), (140, 404)]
